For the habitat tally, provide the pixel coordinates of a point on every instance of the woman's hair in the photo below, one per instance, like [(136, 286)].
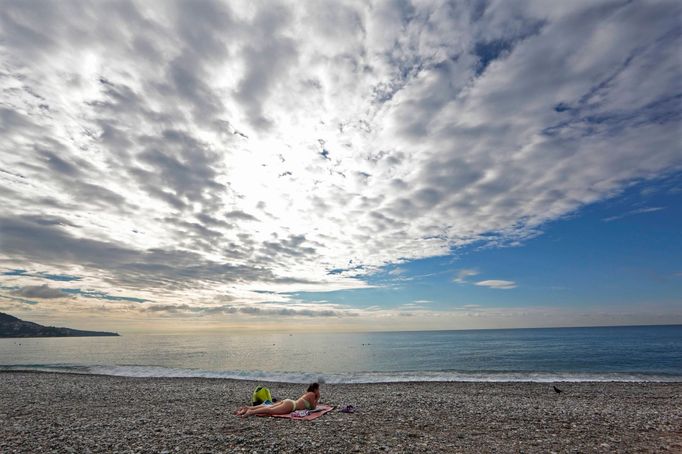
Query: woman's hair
[(313, 387)]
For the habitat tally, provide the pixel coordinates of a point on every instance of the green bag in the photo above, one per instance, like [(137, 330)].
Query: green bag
[(261, 395)]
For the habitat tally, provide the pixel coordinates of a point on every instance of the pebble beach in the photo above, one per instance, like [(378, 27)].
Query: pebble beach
[(45, 412)]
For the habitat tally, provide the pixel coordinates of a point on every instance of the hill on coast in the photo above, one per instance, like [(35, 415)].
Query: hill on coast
[(13, 327)]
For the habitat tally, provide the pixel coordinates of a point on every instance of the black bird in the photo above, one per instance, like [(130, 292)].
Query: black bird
[(557, 390)]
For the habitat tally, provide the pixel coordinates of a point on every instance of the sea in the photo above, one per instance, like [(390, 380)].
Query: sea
[(625, 353)]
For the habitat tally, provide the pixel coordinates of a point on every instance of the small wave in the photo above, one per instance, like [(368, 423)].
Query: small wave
[(346, 378)]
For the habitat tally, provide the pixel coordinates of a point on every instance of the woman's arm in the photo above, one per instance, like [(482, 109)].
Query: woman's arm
[(312, 398)]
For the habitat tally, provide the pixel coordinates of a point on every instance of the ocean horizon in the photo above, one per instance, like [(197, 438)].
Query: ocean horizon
[(614, 353)]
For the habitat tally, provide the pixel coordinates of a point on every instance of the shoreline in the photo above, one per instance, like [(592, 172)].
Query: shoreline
[(157, 372), (98, 413), (675, 380)]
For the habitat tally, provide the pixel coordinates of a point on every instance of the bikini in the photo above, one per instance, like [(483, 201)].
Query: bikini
[(293, 404), (307, 404)]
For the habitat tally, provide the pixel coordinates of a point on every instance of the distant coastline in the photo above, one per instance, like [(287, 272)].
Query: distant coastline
[(12, 327)]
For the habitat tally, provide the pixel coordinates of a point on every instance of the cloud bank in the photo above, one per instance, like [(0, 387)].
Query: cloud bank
[(192, 152), (497, 283)]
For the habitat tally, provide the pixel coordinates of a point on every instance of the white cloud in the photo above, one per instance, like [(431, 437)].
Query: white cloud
[(422, 302), (633, 212), (463, 274), (396, 272), (219, 148), (498, 284)]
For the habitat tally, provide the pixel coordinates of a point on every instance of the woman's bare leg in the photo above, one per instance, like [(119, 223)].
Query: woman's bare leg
[(241, 410), (282, 408)]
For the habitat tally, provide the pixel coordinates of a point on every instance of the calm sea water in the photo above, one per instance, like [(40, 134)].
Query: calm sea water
[(637, 353)]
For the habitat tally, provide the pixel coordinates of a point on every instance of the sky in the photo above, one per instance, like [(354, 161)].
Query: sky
[(340, 165)]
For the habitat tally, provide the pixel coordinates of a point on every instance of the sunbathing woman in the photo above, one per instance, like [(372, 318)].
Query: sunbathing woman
[(307, 401)]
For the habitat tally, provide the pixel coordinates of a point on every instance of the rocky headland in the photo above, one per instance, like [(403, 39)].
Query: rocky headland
[(13, 327)]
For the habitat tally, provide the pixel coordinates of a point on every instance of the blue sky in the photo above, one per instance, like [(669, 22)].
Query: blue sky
[(340, 166), (620, 255)]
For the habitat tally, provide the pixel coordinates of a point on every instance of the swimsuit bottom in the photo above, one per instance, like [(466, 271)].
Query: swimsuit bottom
[(293, 404)]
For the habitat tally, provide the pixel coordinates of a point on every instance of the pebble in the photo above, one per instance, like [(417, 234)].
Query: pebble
[(84, 414)]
